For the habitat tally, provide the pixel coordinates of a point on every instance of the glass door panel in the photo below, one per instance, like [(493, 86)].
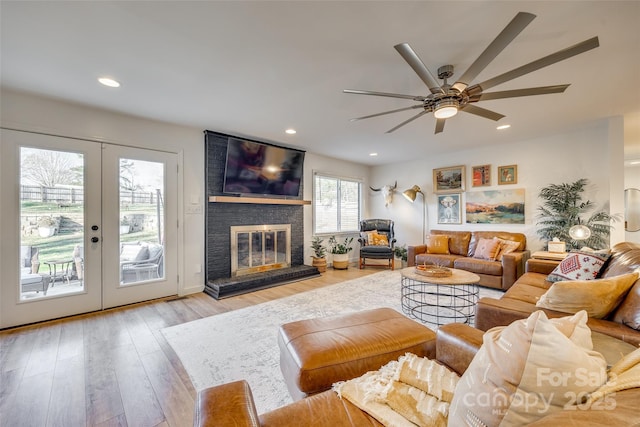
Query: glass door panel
[(140, 234), (51, 222), (142, 221)]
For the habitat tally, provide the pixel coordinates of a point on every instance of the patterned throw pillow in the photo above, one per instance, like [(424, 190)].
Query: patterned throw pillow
[(438, 244), (579, 266), (487, 249), (366, 236), (379, 240)]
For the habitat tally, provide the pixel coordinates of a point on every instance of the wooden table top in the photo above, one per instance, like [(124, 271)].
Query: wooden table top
[(458, 277)]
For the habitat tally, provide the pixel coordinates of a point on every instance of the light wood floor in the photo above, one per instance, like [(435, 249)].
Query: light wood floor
[(114, 368)]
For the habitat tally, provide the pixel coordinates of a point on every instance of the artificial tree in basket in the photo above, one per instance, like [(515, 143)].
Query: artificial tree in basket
[(563, 208)]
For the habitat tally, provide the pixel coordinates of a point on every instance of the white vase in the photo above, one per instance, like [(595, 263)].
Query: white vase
[(46, 231)]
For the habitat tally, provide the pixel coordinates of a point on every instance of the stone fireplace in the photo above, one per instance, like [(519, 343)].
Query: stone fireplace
[(258, 248), (252, 269)]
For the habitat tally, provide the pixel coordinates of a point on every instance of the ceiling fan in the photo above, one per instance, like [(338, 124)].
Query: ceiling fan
[(446, 100)]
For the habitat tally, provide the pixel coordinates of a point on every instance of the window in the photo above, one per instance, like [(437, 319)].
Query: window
[(336, 204)]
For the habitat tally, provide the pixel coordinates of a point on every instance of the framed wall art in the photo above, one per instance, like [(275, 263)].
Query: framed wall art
[(481, 176), (449, 209), (448, 180), (507, 174), (495, 207)]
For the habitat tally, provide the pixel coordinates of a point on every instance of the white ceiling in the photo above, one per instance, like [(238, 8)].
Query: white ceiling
[(257, 68)]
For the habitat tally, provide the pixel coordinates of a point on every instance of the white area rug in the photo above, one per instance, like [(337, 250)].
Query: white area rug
[(242, 344)]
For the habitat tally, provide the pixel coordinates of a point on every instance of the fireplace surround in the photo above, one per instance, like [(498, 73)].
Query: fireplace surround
[(222, 215)]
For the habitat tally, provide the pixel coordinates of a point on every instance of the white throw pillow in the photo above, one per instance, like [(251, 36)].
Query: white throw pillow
[(527, 370)]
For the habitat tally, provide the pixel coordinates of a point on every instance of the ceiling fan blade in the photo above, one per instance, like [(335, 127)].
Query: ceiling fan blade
[(482, 112), (542, 90), (561, 55), (387, 112), (418, 66), (510, 32), (390, 95), (421, 113), (439, 125)]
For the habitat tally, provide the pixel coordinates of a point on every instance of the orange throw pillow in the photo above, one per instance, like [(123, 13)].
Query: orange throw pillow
[(438, 244), (379, 240)]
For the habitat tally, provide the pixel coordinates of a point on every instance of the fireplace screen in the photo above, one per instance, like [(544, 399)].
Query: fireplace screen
[(257, 248)]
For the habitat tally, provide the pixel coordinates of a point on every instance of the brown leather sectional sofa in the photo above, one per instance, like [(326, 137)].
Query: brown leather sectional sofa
[(520, 300), (232, 404), (462, 245)]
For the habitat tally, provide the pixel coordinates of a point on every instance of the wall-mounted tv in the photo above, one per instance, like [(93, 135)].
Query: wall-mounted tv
[(256, 168)]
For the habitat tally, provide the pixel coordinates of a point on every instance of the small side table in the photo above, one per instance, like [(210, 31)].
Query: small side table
[(59, 269), (551, 256)]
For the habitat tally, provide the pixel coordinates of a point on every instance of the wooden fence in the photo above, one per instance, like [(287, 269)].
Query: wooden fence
[(64, 196)]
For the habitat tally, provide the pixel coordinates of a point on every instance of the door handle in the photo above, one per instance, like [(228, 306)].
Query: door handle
[(95, 240)]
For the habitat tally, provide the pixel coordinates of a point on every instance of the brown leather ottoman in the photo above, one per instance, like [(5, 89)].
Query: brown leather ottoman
[(316, 353)]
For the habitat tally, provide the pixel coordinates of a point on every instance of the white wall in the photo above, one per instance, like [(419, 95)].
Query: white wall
[(25, 111), (585, 153), (316, 163)]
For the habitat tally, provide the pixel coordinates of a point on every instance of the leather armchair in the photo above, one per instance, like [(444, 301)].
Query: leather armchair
[(368, 251)]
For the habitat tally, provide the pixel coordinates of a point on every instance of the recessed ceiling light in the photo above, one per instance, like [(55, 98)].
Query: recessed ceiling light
[(635, 162), (373, 154), (290, 131), (501, 127), (109, 82)]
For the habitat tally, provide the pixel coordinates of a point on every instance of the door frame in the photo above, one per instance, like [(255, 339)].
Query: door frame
[(10, 228), (114, 293)]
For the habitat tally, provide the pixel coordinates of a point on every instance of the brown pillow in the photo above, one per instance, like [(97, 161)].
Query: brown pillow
[(487, 249), (379, 240), (506, 247), (438, 244), (597, 296)]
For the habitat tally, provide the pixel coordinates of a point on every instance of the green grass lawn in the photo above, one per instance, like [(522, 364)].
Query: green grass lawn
[(61, 245)]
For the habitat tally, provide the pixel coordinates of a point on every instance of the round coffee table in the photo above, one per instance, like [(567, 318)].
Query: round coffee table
[(440, 300)]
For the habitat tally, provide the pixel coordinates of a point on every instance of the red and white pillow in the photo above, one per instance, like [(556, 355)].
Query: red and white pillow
[(579, 265)]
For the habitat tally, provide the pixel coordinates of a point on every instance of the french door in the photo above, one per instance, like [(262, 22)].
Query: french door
[(84, 226)]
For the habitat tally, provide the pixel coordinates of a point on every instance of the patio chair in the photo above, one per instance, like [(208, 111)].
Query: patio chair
[(140, 261), (372, 247), (30, 280)]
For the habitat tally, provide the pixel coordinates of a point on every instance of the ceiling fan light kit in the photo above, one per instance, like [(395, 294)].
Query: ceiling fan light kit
[(446, 100), (446, 108)]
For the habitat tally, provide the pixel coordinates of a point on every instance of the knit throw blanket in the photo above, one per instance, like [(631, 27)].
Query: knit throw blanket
[(405, 393), (625, 374)]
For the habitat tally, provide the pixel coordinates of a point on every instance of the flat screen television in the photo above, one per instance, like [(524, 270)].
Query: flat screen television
[(256, 168)]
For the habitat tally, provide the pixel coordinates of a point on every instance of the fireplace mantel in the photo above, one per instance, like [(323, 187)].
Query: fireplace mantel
[(257, 200)]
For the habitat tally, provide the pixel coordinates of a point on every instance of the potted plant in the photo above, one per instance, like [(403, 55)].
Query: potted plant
[(125, 225), (319, 254), (400, 252), (340, 252), (562, 209), (47, 226)]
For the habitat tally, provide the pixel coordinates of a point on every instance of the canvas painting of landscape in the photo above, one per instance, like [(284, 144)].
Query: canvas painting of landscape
[(495, 207)]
